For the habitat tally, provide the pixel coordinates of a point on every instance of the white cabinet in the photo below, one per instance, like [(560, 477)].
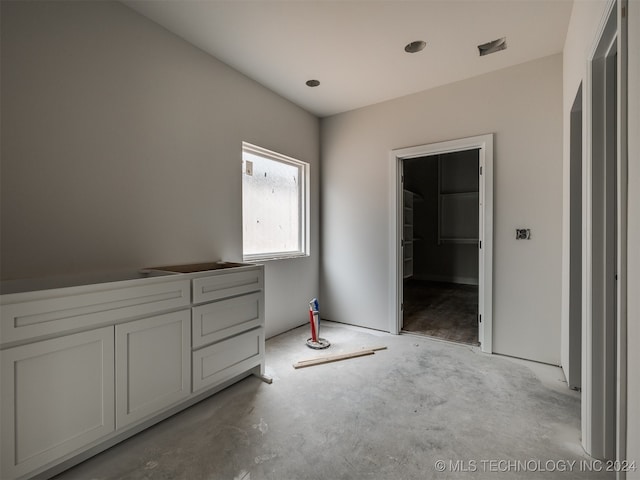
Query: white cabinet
[(86, 366), (153, 365), (227, 331), (57, 396)]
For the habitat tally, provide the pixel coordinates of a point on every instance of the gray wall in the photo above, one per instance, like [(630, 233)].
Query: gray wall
[(121, 148), (522, 105)]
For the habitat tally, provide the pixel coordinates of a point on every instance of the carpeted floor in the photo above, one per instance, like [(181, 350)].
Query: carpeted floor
[(443, 310), (419, 410)]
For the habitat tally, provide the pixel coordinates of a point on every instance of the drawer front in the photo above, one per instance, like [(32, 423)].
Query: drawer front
[(55, 312), (217, 320), (224, 360), (223, 285)]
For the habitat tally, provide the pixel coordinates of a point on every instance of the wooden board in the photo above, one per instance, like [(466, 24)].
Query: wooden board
[(338, 357)]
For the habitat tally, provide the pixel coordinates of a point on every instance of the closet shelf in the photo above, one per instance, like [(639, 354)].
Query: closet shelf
[(449, 194), (457, 240)]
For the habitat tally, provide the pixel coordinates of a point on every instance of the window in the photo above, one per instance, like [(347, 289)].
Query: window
[(274, 205)]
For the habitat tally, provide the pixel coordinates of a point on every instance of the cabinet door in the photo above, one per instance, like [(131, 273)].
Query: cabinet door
[(57, 397), (153, 365)]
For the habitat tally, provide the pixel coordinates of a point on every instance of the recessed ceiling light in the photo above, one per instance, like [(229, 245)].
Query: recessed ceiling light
[(415, 47), (312, 83), (493, 46)]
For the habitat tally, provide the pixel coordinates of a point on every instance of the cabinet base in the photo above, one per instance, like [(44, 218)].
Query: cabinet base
[(264, 378)]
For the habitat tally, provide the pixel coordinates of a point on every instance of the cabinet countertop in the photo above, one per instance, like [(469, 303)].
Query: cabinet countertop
[(25, 285)]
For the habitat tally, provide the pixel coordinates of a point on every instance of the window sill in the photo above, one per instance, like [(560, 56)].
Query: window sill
[(269, 258)]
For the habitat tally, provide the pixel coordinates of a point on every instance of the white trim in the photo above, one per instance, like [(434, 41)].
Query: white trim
[(485, 298), (623, 159), (585, 404), (263, 152), (598, 386), (304, 200), (572, 257)]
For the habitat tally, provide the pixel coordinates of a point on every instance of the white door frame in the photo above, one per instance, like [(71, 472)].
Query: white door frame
[(622, 172), (572, 363), (484, 143), (604, 375)]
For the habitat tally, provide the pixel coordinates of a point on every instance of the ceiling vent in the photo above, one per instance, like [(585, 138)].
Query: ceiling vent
[(493, 46)]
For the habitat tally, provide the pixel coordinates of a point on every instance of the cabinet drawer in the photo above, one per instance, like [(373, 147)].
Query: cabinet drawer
[(225, 318), (224, 360), (51, 312), (215, 287)]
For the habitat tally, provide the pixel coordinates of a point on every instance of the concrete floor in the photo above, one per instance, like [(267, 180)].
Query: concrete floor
[(391, 415)]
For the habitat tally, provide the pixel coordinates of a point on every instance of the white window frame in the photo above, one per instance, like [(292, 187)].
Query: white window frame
[(303, 210)]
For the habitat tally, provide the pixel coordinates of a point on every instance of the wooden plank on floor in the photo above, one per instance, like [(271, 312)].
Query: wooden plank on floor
[(373, 349), (338, 357)]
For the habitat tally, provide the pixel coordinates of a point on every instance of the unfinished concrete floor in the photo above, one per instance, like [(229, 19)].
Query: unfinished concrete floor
[(391, 415)]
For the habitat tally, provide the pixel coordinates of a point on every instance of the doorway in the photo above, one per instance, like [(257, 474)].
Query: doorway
[(440, 246), (483, 245)]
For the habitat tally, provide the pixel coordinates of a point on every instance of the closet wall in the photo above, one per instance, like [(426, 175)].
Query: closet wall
[(438, 256)]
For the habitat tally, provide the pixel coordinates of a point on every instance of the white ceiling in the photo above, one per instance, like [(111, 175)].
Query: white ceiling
[(356, 47)]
